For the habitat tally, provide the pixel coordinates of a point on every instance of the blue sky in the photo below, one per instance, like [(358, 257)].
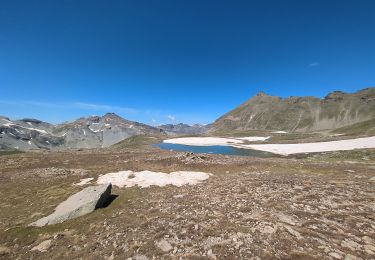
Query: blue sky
[(177, 61)]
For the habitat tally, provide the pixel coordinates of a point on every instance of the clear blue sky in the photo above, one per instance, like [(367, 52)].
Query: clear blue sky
[(177, 61)]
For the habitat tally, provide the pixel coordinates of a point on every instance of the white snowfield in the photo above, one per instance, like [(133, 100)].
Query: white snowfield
[(283, 149), (253, 138), (341, 145), (149, 178), (279, 132), (208, 141)]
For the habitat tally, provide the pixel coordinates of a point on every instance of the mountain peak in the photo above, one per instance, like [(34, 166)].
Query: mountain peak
[(112, 115), (261, 94)]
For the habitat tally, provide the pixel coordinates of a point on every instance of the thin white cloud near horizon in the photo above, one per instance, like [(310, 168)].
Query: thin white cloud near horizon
[(314, 64), (170, 117)]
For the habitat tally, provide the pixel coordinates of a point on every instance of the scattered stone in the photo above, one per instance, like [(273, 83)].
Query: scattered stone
[(286, 219), (139, 257), (293, 232), (4, 250), (368, 240), (58, 172), (164, 245), (335, 255), (43, 247), (111, 257), (210, 254), (265, 228), (351, 257), (79, 204), (352, 245), (370, 249)]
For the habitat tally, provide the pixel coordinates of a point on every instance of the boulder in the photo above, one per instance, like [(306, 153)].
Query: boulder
[(79, 204), (43, 247)]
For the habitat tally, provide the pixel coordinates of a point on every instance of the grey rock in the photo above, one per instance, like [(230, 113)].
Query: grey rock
[(79, 204), (43, 247), (164, 245)]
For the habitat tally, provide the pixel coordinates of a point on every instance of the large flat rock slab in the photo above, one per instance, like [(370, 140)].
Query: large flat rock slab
[(79, 204)]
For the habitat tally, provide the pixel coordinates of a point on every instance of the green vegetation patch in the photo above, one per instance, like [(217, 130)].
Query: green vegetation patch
[(9, 152), (362, 128)]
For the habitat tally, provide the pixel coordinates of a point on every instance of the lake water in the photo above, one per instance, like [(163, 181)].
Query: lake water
[(214, 149)]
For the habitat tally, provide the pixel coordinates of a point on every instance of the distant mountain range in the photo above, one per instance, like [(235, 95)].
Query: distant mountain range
[(299, 114), (338, 110), (87, 132), (184, 129)]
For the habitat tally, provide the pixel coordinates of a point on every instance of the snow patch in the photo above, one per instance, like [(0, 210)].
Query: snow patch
[(83, 182), (29, 128), (283, 149), (149, 178), (253, 138), (337, 135), (94, 130), (341, 145), (279, 132)]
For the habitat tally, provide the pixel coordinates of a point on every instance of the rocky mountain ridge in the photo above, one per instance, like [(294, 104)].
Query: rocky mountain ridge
[(299, 114)]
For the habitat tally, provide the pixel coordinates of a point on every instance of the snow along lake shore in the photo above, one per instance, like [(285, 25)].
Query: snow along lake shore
[(282, 149)]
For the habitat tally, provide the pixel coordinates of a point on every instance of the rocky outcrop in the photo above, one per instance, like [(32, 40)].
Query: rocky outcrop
[(79, 204)]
